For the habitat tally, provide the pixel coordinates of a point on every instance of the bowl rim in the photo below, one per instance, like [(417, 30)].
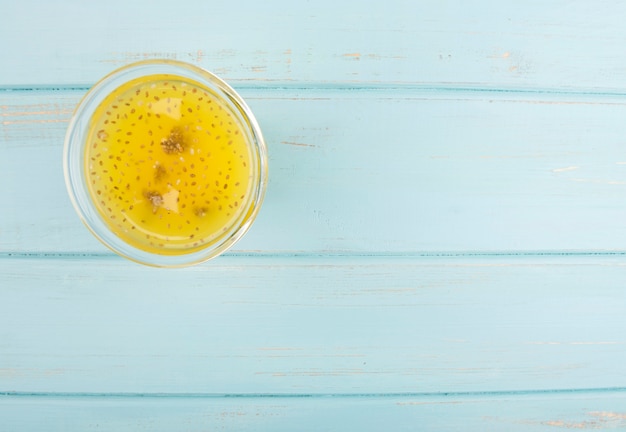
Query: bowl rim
[(76, 142)]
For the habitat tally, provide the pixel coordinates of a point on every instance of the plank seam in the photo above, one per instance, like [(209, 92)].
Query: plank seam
[(464, 394), (366, 86), (338, 254)]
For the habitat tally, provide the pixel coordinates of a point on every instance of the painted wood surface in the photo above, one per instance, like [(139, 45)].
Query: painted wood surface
[(327, 325), (441, 247), (560, 43), (375, 171), (491, 412)]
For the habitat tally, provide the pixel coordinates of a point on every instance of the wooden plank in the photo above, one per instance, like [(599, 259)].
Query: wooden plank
[(326, 325), (538, 44), (604, 411), (387, 170)]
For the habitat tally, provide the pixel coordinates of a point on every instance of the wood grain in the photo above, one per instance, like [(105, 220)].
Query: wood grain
[(538, 44), (441, 247), (525, 412), (386, 170), (338, 325)]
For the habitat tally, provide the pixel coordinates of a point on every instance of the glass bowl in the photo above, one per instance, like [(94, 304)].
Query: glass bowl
[(165, 163)]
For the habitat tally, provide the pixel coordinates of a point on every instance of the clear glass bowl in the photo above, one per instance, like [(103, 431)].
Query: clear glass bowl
[(79, 161)]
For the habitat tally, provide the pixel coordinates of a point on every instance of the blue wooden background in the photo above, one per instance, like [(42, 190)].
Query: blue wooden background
[(442, 245)]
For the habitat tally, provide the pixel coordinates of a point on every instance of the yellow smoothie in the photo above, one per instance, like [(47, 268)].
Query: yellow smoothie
[(168, 164)]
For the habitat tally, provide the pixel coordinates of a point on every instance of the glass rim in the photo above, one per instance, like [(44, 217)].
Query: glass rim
[(76, 142)]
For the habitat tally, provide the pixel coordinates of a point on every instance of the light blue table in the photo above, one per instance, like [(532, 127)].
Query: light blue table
[(442, 246)]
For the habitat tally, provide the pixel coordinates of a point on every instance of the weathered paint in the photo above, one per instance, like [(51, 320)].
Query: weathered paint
[(441, 246)]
